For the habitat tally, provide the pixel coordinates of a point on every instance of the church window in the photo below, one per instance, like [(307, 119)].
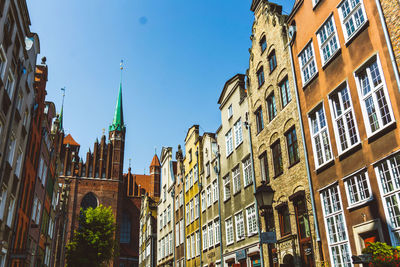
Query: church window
[(125, 229), (89, 201)]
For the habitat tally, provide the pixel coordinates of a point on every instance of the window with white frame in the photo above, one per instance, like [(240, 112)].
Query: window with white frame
[(193, 246), (343, 119), (186, 183), (191, 178), (216, 231), (195, 173), (230, 111), (187, 214), (205, 239), (238, 132), (177, 241), (227, 187), (239, 223), (358, 189), (229, 142), (307, 63), (191, 210), (171, 245), (215, 190), (9, 86), (328, 40), (188, 251), (3, 198), (11, 149), (211, 234), (315, 2), (229, 231), (182, 233), (11, 206), (177, 203), (247, 172), (376, 107), (352, 16), (209, 196), (236, 180), (203, 201), (196, 206), (335, 226), (320, 137), (169, 213), (197, 234), (3, 63), (19, 103), (388, 174), (18, 164), (181, 198), (251, 220)]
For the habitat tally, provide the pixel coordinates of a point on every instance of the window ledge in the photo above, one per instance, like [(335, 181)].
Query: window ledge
[(324, 166), (361, 203), (357, 32), (228, 244), (237, 192), (225, 200), (251, 234), (277, 175), (273, 70), (293, 164), (239, 144), (310, 80), (248, 185), (259, 86), (316, 5), (387, 128), (333, 56), (344, 154)]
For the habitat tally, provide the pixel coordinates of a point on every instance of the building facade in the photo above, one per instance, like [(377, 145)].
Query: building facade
[(165, 210), (390, 12), (18, 52), (349, 101), (148, 232), (179, 211), (238, 215), (276, 132)]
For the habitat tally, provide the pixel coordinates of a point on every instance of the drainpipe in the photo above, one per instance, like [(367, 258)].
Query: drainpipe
[(217, 169), (247, 125), (388, 43), (199, 211)]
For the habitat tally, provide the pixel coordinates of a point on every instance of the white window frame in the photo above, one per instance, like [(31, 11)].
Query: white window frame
[(251, 217), (217, 227), (177, 235), (320, 137), (197, 235), (191, 210), (229, 235), (18, 164), (330, 40), (9, 88), (236, 180), (227, 184), (209, 196), (238, 129), (3, 199), (309, 62), (315, 2), (210, 229), (205, 237), (188, 251), (196, 206), (230, 111), (192, 238), (11, 149), (182, 232), (187, 214), (247, 172), (373, 94), (336, 216), (203, 201), (239, 225), (215, 190), (229, 142), (3, 65), (343, 117), (354, 185), (351, 16), (11, 208)]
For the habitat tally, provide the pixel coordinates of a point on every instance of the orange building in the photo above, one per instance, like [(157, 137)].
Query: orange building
[(350, 108)]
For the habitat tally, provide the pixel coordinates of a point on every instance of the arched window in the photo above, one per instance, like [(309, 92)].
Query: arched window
[(125, 236), (89, 200)]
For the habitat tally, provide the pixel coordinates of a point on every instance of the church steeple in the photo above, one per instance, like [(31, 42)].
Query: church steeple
[(118, 121)]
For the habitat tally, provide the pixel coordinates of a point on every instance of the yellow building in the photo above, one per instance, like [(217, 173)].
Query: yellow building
[(148, 231), (193, 163)]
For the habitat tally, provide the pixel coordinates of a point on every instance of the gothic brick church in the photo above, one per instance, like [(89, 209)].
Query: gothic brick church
[(99, 179)]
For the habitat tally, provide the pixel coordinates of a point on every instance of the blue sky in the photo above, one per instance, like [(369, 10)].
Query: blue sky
[(178, 54)]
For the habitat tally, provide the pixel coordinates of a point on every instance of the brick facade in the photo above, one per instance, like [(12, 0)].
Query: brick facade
[(391, 10)]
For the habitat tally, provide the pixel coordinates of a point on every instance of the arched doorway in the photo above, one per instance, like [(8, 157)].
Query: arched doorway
[(288, 260)]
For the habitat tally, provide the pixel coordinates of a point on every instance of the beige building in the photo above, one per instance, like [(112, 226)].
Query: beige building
[(148, 232), (240, 238), (277, 142), (210, 195), (165, 218)]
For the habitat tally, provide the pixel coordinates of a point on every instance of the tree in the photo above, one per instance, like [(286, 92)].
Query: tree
[(94, 242)]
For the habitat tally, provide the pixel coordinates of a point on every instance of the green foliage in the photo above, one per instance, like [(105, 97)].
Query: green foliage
[(93, 243), (383, 255), (378, 248)]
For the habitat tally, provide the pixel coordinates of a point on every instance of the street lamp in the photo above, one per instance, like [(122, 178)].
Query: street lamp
[(264, 196)]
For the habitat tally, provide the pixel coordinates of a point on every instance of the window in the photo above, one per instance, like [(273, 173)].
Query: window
[(251, 220), (277, 158), (260, 76), (247, 172), (352, 16), (177, 240), (191, 211), (216, 231), (293, 148), (11, 150), (271, 107), (215, 190), (161, 221), (227, 188), (230, 111), (239, 223), (229, 142), (177, 203), (388, 174), (335, 224), (182, 233), (229, 231), (205, 239), (272, 61), (169, 213), (357, 188), (191, 178), (208, 169), (3, 197), (236, 180), (9, 86), (238, 133), (307, 63), (343, 119), (209, 196), (19, 102), (11, 206), (263, 44), (374, 97), (284, 220), (264, 167), (193, 246), (320, 137), (190, 155), (211, 234), (259, 120), (186, 183), (18, 165), (188, 247), (302, 218), (315, 2), (187, 214), (197, 243), (203, 201), (196, 206), (196, 173), (171, 246), (327, 40), (285, 92), (3, 63), (125, 229), (181, 198)]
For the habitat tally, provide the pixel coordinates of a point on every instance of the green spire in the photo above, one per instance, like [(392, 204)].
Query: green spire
[(62, 110), (118, 122)]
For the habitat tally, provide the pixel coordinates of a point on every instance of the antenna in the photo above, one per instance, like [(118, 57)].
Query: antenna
[(130, 160), (121, 66), (63, 96)]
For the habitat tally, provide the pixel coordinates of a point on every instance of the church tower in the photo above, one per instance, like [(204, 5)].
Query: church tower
[(155, 173)]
